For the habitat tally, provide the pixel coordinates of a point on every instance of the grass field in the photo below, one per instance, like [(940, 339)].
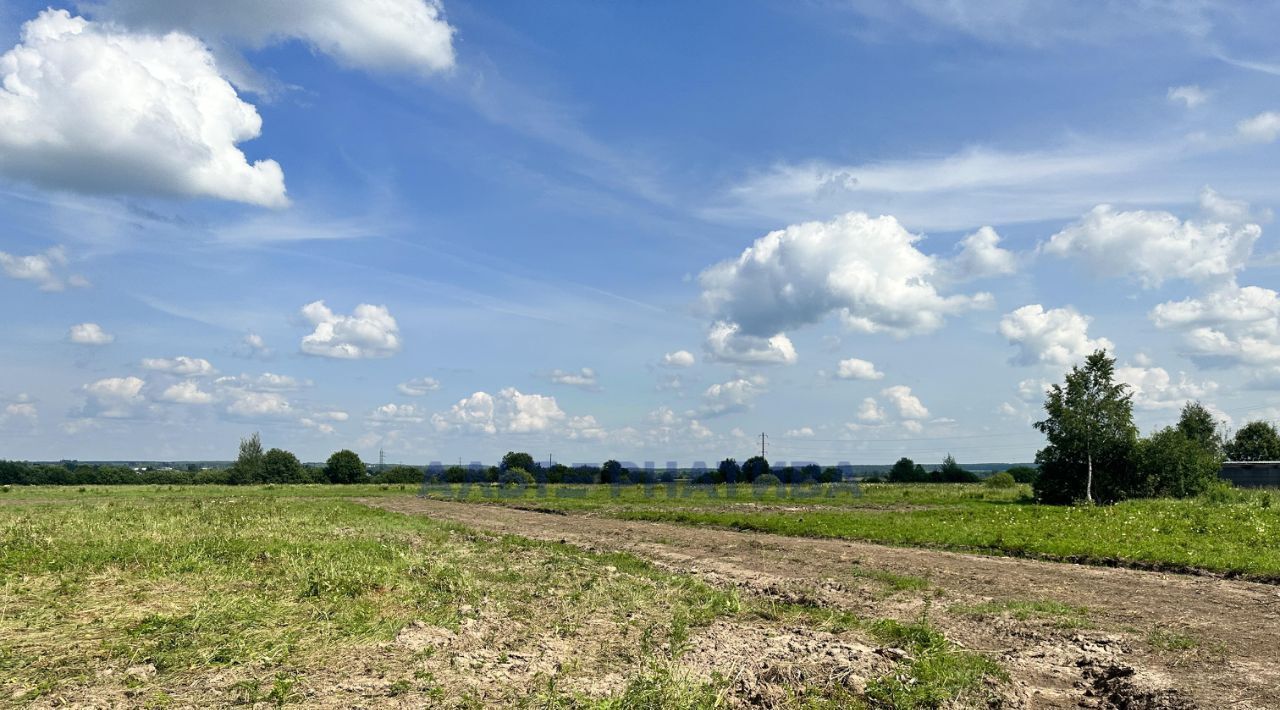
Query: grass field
[(604, 498), (1236, 533), (157, 596)]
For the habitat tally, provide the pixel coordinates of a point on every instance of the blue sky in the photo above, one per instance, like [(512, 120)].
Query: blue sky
[(646, 231)]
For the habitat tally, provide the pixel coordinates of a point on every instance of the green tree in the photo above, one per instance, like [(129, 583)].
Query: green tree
[(1173, 465), (903, 471), (345, 467), (1091, 435), (1255, 441), (401, 473), (518, 459), (248, 465), (280, 466), (951, 472), (613, 472), (729, 471), (1197, 424), (755, 467), (455, 474), (558, 473)]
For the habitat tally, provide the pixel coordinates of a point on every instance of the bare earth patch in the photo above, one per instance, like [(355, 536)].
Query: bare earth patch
[(1223, 653)]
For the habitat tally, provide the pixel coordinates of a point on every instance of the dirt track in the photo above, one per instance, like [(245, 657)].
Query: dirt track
[(1233, 660)]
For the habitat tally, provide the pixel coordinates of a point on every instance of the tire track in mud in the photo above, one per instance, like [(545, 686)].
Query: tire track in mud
[(1235, 625)]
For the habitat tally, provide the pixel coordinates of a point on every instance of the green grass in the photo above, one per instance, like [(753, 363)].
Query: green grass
[(893, 581), (73, 494), (681, 495), (935, 673), (1195, 534), (1169, 640), (264, 593), (270, 584)]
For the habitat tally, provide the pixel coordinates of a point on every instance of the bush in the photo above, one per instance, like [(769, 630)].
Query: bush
[(1024, 474), (708, 478), (400, 474), (515, 477), (1171, 464), (765, 480), (1004, 479)]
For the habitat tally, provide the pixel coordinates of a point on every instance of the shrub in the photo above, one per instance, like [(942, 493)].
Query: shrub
[(1024, 474), (1004, 479), (1171, 464), (515, 477)]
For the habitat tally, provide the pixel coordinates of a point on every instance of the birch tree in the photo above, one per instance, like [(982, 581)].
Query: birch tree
[(1089, 425)]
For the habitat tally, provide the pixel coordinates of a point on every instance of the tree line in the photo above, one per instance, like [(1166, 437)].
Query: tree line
[(1094, 452)]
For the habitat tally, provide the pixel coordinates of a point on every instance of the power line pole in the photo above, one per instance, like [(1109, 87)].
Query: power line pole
[(382, 460), (763, 436)]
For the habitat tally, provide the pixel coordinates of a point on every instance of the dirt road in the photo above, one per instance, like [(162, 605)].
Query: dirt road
[(1147, 639)]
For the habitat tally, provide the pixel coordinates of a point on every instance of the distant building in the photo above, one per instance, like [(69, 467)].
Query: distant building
[(1252, 474)]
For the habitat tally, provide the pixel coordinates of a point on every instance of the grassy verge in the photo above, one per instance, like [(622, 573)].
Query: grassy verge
[(1241, 537)]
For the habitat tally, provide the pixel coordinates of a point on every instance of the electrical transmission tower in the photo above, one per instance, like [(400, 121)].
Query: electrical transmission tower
[(763, 437), (382, 460)]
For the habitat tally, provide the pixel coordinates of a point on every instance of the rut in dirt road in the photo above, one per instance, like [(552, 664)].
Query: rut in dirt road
[(1230, 630)]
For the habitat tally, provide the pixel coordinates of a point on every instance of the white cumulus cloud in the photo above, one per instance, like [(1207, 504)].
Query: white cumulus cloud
[(679, 358), (583, 379), (186, 392), (855, 369), (92, 107), (1058, 336), (1155, 246), (1263, 128), (1155, 388), (370, 332), (733, 396), (248, 404), (265, 382), (907, 405), (585, 428), (865, 270), (1233, 324), (870, 411), (509, 412), (981, 256), (369, 34), (403, 413), (725, 343), (42, 269), (418, 386), (181, 365), (114, 397), (89, 334)]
